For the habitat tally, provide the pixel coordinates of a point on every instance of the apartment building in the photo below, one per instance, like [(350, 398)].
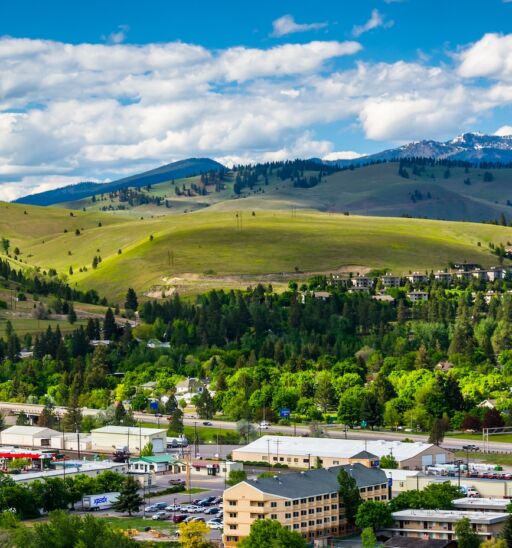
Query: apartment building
[(362, 282), (481, 504), (306, 502), (390, 281), (417, 296), (440, 524)]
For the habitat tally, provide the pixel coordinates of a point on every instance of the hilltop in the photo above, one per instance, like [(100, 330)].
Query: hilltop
[(210, 248), (175, 170)]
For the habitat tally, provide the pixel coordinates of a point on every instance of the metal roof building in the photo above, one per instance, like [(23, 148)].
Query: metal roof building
[(134, 438), (298, 452)]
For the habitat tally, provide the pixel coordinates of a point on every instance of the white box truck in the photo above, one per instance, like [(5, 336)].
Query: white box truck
[(101, 501)]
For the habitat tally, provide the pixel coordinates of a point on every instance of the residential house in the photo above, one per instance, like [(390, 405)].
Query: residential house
[(417, 296), (362, 282), (417, 278), (390, 281)]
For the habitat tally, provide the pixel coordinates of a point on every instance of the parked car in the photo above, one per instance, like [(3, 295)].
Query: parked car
[(264, 425), (188, 519), (212, 510), (173, 508), (215, 525), (207, 423), (160, 516), (178, 518), (160, 505), (177, 481), (151, 508), (192, 509), (196, 501), (197, 518), (217, 500)]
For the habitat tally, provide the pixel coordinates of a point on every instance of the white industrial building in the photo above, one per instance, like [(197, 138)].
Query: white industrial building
[(28, 436), (298, 452), (134, 438), (73, 468)]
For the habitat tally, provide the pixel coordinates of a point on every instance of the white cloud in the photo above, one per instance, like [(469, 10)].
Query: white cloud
[(342, 155), (376, 20), (489, 57), (118, 36), (504, 130), (287, 25)]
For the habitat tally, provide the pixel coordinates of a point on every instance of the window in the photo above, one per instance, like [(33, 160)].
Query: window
[(295, 525), (304, 524), (311, 511), (311, 523), (370, 488), (232, 502), (319, 522), (273, 505), (288, 459), (326, 520), (311, 499), (303, 513), (326, 508), (326, 497), (335, 462), (257, 516), (287, 516), (232, 539), (232, 526), (303, 501), (295, 460), (319, 509), (305, 460), (334, 495), (274, 458), (296, 502), (295, 514), (257, 503), (233, 514), (334, 506), (287, 503), (383, 486), (334, 518), (319, 497), (273, 516)]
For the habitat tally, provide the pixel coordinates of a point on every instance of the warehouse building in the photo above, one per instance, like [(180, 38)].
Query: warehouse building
[(298, 452), (133, 438), (28, 436), (307, 502), (480, 504)]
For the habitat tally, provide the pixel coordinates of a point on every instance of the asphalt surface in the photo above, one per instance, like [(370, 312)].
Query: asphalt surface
[(333, 431)]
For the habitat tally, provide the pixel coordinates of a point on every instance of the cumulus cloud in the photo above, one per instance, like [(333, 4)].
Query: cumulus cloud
[(342, 155), (287, 25), (99, 111), (376, 20)]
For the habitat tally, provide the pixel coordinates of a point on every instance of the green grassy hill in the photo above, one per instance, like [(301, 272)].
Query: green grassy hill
[(208, 248), (370, 190)]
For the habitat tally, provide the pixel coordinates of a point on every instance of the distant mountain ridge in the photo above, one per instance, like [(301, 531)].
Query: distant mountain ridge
[(175, 170), (468, 147)]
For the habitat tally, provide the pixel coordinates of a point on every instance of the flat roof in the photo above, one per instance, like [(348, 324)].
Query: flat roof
[(450, 516), (36, 431), (335, 447), (72, 467), (481, 502), (133, 430)]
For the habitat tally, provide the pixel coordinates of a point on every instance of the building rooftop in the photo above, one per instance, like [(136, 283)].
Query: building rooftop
[(332, 447), (133, 430), (156, 459), (72, 467), (414, 542), (451, 516), (316, 482), (480, 502), (36, 431)]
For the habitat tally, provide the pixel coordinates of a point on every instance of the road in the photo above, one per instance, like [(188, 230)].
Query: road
[(333, 431)]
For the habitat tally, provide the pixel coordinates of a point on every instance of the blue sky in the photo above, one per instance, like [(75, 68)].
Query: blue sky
[(95, 90)]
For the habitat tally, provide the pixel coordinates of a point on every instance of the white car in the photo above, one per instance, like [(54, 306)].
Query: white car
[(264, 425), (212, 524), (173, 508), (192, 509), (160, 516)]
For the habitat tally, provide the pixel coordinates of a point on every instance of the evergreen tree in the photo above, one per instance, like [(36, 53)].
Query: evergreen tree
[(109, 326), (437, 432), (176, 423), (131, 302), (350, 497), (205, 405), (129, 499), (71, 314), (506, 533), (371, 410)]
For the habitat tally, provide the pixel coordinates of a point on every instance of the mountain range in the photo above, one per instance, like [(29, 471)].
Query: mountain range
[(175, 170), (475, 148), (468, 147)]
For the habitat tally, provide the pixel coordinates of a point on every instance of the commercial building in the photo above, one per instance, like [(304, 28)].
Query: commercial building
[(480, 504), (134, 438), (298, 452), (72, 468), (157, 464), (306, 502), (215, 468), (440, 524), (28, 436), (487, 488)]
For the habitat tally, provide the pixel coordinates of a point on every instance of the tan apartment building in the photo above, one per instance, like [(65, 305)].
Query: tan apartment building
[(298, 452), (306, 502), (440, 524)]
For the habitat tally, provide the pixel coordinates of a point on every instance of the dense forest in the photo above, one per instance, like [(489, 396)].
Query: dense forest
[(348, 356)]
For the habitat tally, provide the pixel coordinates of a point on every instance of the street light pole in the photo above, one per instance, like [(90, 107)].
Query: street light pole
[(78, 442)]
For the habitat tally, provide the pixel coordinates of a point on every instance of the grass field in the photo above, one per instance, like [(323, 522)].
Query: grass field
[(139, 523), (23, 326), (488, 458), (208, 247), (505, 438)]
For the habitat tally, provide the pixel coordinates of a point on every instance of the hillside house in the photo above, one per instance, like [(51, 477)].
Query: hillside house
[(417, 296), (488, 404), (362, 282), (417, 278), (390, 281), (317, 295), (495, 273), (441, 276), (191, 386)]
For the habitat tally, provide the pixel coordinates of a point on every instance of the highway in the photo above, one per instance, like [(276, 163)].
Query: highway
[(333, 431)]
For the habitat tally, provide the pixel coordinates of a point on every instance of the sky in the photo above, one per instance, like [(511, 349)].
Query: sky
[(94, 91)]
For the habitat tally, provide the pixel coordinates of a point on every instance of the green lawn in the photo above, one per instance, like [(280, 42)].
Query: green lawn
[(505, 438), (139, 523), (489, 458), (22, 326)]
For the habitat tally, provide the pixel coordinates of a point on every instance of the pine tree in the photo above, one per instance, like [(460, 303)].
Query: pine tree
[(350, 497), (205, 405), (109, 326), (129, 498), (176, 423), (71, 314), (131, 302)]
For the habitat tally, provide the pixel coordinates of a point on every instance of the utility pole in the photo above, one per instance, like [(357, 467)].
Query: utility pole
[(78, 442), (195, 440)]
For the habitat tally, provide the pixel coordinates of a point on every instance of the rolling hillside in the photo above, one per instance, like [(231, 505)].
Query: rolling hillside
[(369, 190), (212, 248)]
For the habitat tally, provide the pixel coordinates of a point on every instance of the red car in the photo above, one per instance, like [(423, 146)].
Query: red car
[(178, 518)]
